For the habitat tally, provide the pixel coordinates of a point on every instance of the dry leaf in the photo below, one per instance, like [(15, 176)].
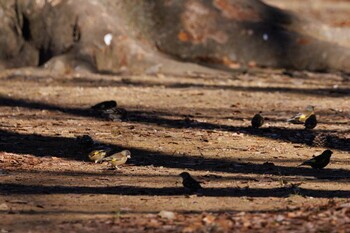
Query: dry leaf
[(167, 214)]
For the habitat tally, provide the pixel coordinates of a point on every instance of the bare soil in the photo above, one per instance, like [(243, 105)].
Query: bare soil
[(194, 122)]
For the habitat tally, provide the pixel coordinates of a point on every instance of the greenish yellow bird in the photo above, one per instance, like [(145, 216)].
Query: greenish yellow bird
[(257, 120), (319, 161), (301, 117), (118, 158), (311, 122), (189, 182), (98, 155)]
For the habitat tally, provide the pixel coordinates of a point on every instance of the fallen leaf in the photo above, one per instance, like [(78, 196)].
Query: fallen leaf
[(4, 207), (167, 214), (209, 219)]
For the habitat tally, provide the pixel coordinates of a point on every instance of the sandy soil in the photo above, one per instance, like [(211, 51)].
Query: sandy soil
[(193, 123)]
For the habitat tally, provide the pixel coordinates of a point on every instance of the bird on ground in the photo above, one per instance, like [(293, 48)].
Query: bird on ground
[(118, 158), (105, 105), (319, 161), (85, 140), (114, 114), (109, 111), (311, 122), (301, 117), (98, 155), (189, 182), (257, 120)]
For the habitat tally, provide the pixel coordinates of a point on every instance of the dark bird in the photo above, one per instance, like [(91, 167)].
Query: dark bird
[(105, 105), (319, 161), (114, 114), (301, 117), (311, 122), (85, 140), (189, 183), (109, 111), (257, 120)]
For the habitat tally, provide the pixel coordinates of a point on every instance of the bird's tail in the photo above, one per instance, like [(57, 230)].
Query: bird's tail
[(302, 164), (305, 163), (290, 120), (108, 158), (294, 120)]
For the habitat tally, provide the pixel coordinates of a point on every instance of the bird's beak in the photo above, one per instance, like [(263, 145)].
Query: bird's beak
[(128, 156)]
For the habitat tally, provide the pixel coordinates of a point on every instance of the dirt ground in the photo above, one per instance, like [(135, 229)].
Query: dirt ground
[(198, 123)]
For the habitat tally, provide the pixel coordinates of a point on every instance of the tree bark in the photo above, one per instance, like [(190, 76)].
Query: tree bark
[(151, 36)]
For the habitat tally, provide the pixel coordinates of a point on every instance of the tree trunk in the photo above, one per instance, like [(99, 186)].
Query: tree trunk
[(151, 36)]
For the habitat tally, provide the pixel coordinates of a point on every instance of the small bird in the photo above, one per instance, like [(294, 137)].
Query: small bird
[(257, 120), (98, 155), (105, 105), (85, 140), (319, 161), (118, 158), (114, 114), (301, 117), (189, 183), (311, 122)]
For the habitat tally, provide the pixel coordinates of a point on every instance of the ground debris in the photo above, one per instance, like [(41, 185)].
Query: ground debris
[(332, 216)]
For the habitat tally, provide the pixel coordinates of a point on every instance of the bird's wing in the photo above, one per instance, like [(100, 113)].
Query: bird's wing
[(114, 157), (296, 118), (109, 158), (303, 117), (310, 161)]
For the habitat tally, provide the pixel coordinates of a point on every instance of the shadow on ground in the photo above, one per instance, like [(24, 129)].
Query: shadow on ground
[(331, 139), (49, 145), (8, 189), (125, 82)]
